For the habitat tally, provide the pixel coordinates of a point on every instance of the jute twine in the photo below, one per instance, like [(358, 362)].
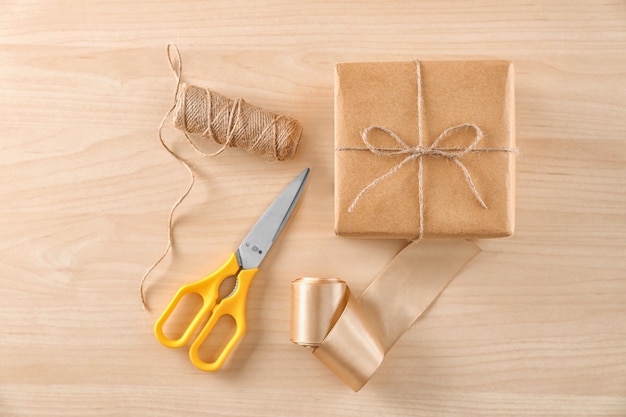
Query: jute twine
[(229, 123)]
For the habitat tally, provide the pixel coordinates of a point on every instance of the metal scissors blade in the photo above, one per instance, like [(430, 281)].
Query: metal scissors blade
[(258, 242)]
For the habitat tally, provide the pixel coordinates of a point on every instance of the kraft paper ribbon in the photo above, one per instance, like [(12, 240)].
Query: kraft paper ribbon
[(351, 335)]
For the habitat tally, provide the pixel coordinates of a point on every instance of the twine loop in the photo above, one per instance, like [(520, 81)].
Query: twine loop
[(227, 122), (415, 152)]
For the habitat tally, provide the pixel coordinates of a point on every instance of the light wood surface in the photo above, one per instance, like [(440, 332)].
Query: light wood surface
[(535, 326)]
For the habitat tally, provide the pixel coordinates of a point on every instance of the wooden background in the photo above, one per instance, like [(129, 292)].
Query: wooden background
[(535, 326)]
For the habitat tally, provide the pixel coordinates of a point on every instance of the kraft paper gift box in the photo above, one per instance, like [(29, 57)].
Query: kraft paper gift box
[(464, 113)]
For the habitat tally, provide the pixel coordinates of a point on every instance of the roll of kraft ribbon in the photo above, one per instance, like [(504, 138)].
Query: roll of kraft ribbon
[(351, 335)]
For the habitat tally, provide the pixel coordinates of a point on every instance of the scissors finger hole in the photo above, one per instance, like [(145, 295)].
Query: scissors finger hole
[(182, 316), (218, 339), (227, 287)]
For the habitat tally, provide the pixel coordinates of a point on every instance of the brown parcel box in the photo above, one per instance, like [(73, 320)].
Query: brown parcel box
[(452, 93)]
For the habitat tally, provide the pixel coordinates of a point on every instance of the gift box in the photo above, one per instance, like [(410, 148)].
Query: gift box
[(425, 149)]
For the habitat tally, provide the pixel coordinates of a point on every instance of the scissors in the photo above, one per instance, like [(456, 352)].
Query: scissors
[(243, 265)]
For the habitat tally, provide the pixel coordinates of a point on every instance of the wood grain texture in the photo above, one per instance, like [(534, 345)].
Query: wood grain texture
[(535, 326)]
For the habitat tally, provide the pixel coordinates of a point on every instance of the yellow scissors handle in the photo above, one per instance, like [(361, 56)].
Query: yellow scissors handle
[(233, 305)]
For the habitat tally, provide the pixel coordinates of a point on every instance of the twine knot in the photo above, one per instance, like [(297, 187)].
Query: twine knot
[(417, 152)]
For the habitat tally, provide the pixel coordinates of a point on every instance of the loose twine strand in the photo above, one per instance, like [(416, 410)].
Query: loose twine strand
[(418, 152), (230, 123)]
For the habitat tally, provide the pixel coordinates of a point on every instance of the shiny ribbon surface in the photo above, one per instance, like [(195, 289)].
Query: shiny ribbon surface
[(351, 335)]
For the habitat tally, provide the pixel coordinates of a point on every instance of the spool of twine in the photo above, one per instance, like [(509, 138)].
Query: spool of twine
[(230, 123), (236, 123)]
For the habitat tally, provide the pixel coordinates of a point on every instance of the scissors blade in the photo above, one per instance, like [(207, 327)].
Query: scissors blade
[(258, 242)]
